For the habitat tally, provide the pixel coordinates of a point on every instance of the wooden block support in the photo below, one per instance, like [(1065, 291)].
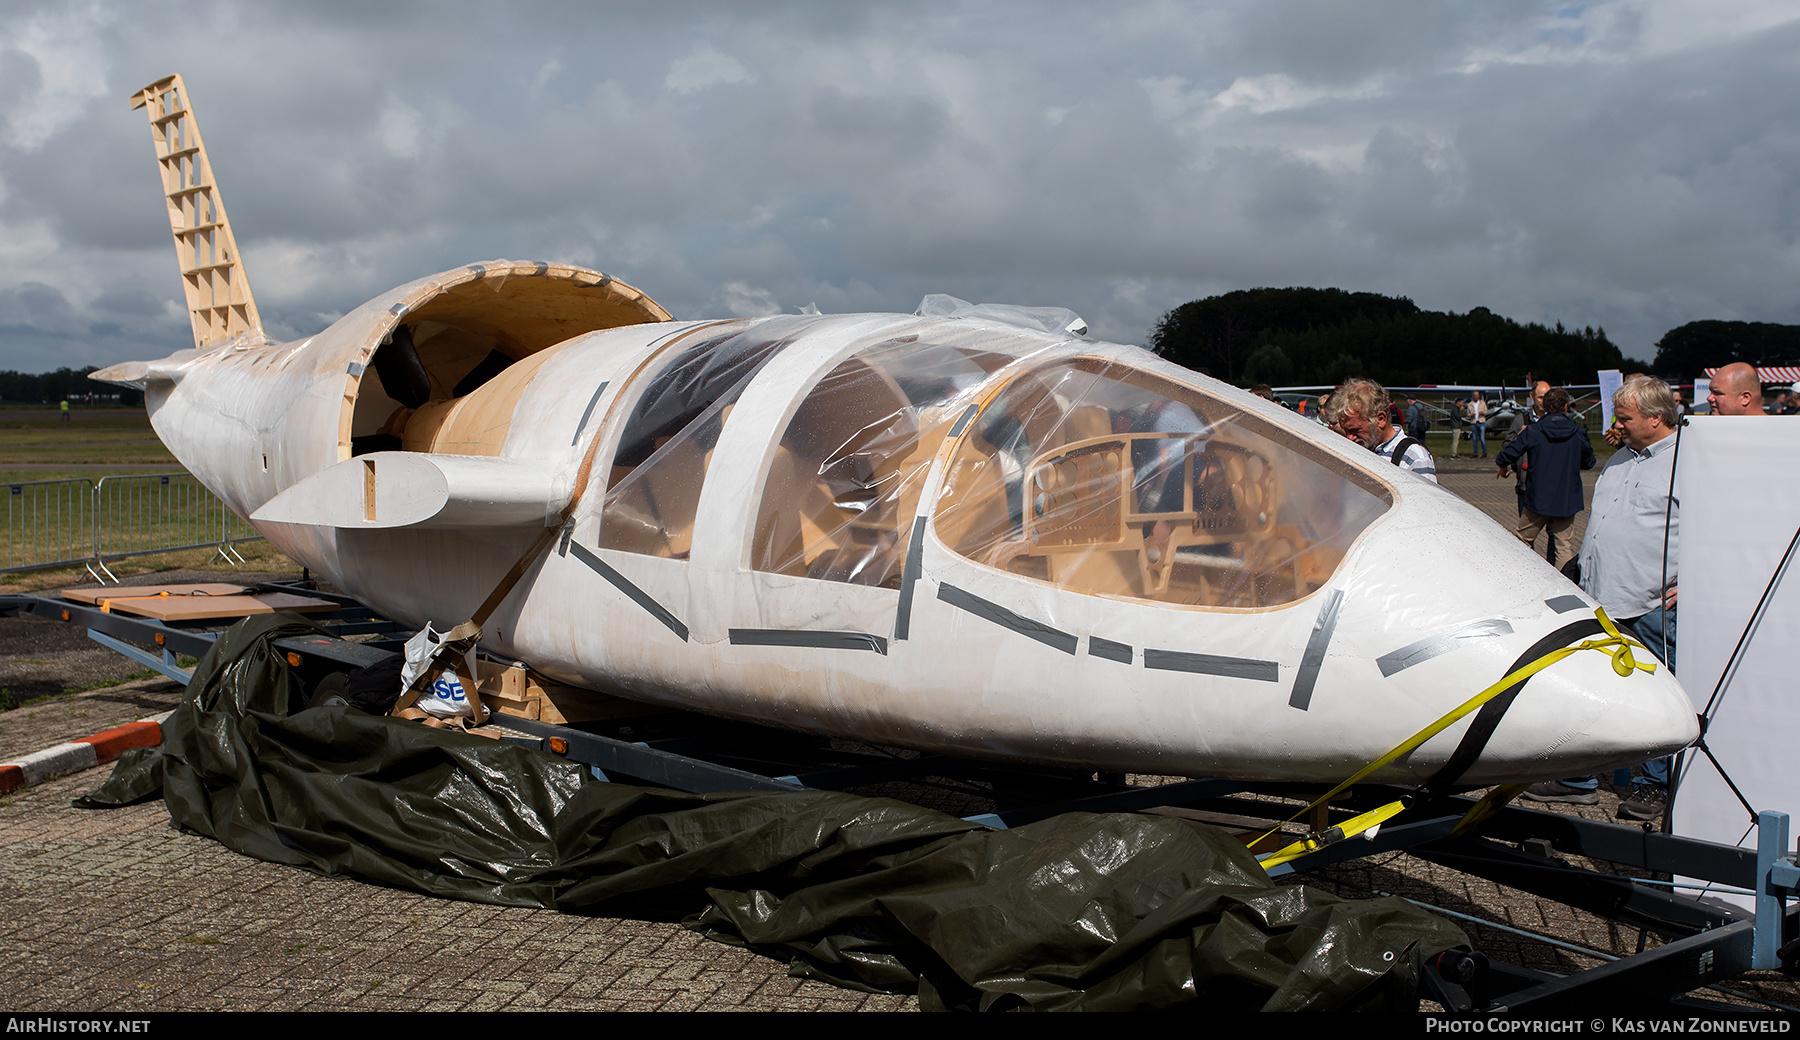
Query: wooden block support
[(511, 688)]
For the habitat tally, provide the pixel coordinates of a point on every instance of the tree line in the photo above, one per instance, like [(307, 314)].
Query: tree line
[(64, 383), (1318, 336), (1689, 350)]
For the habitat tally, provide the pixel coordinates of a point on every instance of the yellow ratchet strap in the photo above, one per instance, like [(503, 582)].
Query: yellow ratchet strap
[(1350, 828), (1490, 803), (1615, 645)]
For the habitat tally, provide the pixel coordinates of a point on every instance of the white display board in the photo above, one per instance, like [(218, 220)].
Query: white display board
[(1610, 380), (1740, 507), (1702, 387)]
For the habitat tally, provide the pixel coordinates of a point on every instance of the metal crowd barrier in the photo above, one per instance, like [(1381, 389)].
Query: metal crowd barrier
[(58, 523), (49, 523)]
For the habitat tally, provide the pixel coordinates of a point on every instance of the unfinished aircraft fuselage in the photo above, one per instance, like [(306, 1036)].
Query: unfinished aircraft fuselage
[(970, 531)]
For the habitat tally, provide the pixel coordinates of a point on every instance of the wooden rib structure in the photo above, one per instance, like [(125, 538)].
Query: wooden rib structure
[(218, 291)]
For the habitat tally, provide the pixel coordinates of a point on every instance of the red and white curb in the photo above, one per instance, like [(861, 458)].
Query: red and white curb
[(76, 755)]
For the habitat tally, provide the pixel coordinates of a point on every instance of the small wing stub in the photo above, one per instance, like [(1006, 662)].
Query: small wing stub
[(418, 489), (218, 291)]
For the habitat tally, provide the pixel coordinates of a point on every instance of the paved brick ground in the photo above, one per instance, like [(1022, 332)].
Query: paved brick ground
[(115, 911), (1474, 481)]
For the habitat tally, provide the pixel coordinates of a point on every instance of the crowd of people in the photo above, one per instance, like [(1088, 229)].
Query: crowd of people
[(1627, 557)]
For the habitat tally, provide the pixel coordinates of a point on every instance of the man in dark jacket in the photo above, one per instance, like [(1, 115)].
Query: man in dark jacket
[(1556, 449), (1416, 423)]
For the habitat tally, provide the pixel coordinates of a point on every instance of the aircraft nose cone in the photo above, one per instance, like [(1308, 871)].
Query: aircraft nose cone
[(1579, 716)]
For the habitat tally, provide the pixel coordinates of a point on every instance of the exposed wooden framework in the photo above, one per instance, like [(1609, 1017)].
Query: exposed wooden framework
[(212, 272)]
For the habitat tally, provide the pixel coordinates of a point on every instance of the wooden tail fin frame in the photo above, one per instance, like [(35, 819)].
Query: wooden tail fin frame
[(218, 291)]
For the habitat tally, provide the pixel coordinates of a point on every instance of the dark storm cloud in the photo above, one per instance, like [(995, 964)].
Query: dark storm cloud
[(1619, 164)]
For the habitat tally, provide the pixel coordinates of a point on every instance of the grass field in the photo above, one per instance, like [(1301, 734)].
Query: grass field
[(138, 511), (37, 444), (259, 558)]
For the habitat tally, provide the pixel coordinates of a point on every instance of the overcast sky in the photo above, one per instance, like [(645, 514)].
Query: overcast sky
[(1629, 165)]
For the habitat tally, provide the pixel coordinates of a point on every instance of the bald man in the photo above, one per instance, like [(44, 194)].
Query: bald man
[(1735, 391)]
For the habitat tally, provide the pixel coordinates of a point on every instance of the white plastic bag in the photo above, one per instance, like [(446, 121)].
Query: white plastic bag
[(446, 696)]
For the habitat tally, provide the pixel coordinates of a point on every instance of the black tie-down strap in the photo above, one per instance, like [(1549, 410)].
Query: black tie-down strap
[(1481, 730)]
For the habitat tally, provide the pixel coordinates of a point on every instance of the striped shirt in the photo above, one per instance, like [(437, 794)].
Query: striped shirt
[(1416, 459)]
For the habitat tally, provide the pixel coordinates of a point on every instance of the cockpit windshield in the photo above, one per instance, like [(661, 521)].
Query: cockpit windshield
[(1107, 480)]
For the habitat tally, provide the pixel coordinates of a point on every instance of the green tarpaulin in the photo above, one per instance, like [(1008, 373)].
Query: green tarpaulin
[(1082, 911)]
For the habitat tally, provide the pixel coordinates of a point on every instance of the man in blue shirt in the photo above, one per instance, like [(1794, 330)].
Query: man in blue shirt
[(1628, 561)]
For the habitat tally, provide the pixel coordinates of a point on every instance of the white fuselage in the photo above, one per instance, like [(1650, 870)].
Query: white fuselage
[(927, 665)]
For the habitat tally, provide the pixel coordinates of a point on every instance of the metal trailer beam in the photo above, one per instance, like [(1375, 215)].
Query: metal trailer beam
[(166, 662), (1130, 799), (308, 588), (1659, 974), (1712, 942), (646, 763), (1616, 843), (1617, 898), (119, 626), (339, 652)]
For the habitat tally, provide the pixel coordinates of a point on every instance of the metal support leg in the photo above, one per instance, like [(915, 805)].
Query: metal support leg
[(103, 576), (1776, 879), (164, 664)]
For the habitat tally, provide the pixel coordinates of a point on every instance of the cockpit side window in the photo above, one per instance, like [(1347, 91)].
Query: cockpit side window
[(844, 481), (667, 445), (1103, 479)]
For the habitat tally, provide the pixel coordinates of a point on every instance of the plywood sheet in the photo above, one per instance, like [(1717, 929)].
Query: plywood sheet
[(93, 596), (196, 602)]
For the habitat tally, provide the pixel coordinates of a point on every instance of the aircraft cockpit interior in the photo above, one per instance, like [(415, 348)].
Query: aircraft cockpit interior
[(844, 483), (1104, 479)]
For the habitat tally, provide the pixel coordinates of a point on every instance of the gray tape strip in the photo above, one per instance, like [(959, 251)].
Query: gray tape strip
[(1209, 664), (1108, 650), (605, 280), (589, 413), (962, 422), (398, 308), (915, 548), (999, 615), (1440, 644), (801, 637), (539, 267), (623, 584), (479, 269), (1314, 657), (356, 369), (1564, 604)]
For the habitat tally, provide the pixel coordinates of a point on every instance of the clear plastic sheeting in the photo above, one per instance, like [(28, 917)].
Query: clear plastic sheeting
[(844, 483), (1103, 479), (654, 491), (1044, 319)]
